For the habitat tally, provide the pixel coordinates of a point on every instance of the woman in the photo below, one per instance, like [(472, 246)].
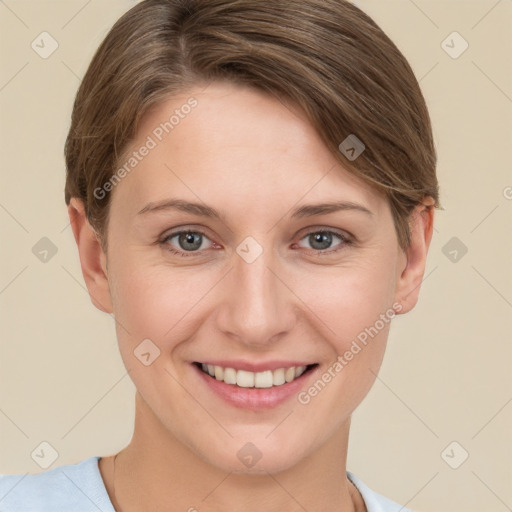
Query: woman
[(251, 187)]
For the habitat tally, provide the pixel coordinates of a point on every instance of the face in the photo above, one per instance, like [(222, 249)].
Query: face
[(265, 285)]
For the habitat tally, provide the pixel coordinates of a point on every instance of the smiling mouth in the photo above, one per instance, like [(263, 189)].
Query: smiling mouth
[(246, 379)]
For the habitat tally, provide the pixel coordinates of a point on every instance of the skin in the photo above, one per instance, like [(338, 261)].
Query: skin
[(254, 159)]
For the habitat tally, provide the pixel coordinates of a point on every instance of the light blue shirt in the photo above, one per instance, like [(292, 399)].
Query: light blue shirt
[(80, 488)]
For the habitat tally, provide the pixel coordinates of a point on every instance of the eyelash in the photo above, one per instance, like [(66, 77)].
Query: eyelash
[(346, 241)]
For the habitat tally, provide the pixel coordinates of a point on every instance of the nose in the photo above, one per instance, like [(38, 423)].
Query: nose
[(257, 307)]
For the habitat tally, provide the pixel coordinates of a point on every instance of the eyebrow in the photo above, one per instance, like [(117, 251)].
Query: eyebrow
[(308, 210)]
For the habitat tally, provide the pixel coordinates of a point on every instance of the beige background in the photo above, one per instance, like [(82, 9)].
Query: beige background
[(446, 375)]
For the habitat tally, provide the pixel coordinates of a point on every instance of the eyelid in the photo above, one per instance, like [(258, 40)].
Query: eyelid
[(345, 237), (202, 230), (310, 229), (319, 229)]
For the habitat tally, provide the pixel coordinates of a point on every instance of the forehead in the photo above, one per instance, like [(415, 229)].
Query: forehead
[(228, 141)]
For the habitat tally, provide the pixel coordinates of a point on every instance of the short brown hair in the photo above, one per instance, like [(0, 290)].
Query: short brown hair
[(327, 56)]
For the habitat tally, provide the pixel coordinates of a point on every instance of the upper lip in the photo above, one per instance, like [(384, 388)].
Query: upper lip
[(251, 366)]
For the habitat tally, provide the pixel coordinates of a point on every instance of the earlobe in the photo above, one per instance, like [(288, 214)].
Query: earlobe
[(410, 277), (92, 257)]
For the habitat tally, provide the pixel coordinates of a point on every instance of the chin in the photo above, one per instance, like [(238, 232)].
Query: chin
[(247, 458), (272, 464)]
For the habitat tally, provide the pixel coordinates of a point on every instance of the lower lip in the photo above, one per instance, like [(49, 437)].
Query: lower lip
[(255, 398)]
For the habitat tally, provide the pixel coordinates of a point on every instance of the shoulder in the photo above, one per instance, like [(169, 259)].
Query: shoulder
[(375, 502), (78, 487)]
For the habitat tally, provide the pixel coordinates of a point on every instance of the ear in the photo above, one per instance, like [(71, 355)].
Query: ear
[(92, 258), (408, 286)]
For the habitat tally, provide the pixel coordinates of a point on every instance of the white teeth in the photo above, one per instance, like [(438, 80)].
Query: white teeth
[(246, 379), (278, 377), (229, 376), (299, 371), (263, 379), (219, 373), (289, 375)]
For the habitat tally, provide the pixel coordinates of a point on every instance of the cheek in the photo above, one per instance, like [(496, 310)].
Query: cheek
[(349, 298), (356, 314), (156, 301), (352, 305)]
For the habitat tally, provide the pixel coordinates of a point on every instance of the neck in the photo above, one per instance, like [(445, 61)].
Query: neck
[(156, 472)]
